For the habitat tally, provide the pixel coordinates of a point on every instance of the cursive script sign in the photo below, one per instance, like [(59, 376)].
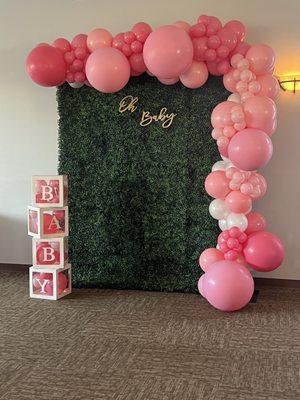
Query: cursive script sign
[(129, 103)]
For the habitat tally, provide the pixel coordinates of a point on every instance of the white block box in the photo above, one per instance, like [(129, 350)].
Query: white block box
[(49, 190), (48, 222), (53, 252), (50, 283)]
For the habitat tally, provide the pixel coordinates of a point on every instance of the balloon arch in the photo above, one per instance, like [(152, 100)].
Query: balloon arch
[(242, 125)]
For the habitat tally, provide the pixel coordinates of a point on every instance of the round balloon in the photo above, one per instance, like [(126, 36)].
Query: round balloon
[(261, 58), (217, 185), (227, 285), (46, 66), (250, 149), (264, 251), (260, 113), (209, 257), (256, 223), (168, 52), (195, 76), (107, 70), (98, 38)]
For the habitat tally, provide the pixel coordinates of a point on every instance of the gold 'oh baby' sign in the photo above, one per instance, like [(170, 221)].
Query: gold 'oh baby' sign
[(129, 103)]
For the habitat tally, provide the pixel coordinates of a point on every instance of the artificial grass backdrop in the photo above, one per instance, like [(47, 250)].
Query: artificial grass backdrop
[(138, 211)]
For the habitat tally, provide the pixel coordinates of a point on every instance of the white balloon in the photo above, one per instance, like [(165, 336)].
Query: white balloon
[(219, 166), (239, 220), (223, 224), (76, 85), (235, 97), (218, 209)]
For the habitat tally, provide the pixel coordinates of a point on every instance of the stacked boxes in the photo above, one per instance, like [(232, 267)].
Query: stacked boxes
[(50, 274)]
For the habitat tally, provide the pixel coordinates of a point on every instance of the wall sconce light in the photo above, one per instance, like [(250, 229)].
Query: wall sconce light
[(289, 83)]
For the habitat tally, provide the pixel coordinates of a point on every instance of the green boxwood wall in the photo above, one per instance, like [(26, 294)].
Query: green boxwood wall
[(138, 211)]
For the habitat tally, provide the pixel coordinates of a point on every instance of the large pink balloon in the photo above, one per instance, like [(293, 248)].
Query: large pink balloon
[(221, 115), (46, 66), (269, 85), (227, 285), (250, 149), (217, 185), (209, 257), (264, 251), (260, 113), (256, 223), (98, 38), (107, 70), (238, 28), (168, 52), (195, 76), (261, 58)]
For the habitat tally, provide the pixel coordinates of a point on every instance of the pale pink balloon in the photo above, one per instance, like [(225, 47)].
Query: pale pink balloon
[(200, 286), (250, 149), (107, 70), (170, 81), (256, 223), (238, 202), (230, 81), (98, 38), (195, 76), (209, 257), (183, 25), (269, 85), (227, 285), (217, 185), (260, 113), (264, 251), (221, 115), (261, 58), (168, 52), (238, 28)]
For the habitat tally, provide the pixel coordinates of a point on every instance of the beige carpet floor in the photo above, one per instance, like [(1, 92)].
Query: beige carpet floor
[(123, 345)]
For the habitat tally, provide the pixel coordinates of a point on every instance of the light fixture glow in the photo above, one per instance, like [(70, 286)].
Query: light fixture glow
[(289, 83)]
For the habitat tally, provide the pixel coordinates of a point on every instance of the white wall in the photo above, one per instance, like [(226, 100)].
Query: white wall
[(28, 118)]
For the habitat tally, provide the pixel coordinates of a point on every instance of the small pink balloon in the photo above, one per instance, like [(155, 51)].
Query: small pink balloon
[(217, 185), (256, 223), (261, 58), (107, 70), (209, 257), (227, 285), (228, 38), (195, 76), (183, 25), (98, 38), (79, 41), (142, 30), (260, 113), (137, 63), (46, 66), (238, 202), (269, 86), (250, 149), (168, 52), (62, 44), (241, 48), (264, 251), (238, 28), (221, 115), (230, 81), (170, 81)]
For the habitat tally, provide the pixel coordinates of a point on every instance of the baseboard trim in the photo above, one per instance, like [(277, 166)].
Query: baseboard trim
[(259, 282)]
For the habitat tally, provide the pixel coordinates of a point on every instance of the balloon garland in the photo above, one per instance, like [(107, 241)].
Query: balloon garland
[(242, 125)]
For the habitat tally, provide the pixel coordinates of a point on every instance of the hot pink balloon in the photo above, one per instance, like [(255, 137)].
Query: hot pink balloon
[(241, 48), (260, 113), (98, 38), (46, 66), (142, 30), (195, 76), (261, 58), (227, 285), (62, 44), (264, 251), (107, 70), (209, 257), (183, 25), (238, 202), (228, 38), (250, 149), (217, 185), (256, 223), (168, 52), (238, 28), (269, 85), (221, 115), (79, 41)]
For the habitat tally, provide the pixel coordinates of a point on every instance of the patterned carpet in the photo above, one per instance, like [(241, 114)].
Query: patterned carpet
[(123, 345)]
